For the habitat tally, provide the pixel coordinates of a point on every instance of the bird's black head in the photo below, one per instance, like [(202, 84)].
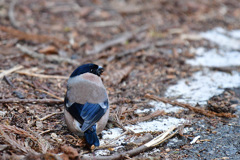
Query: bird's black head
[(88, 68)]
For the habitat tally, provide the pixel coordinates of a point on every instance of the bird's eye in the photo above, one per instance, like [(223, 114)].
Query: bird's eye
[(91, 70)]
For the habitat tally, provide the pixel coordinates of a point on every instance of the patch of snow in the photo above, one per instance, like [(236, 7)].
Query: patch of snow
[(3, 113), (139, 111), (235, 34), (168, 108), (164, 106), (102, 152), (215, 58), (155, 125), (222, 38), (111, 133), (202, 86)]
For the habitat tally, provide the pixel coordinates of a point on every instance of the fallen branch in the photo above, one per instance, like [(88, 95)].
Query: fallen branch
[(134, 9), (50, 94), (41, 75), (8, 81), (107, 146), (51, 58), (153, 143), (11, 14), (152, 115), (32, 37), (139, 48), (130, 51), (49, 115), (6, 72), (119, 40), (194, 109), (104, 24), (15, 100)]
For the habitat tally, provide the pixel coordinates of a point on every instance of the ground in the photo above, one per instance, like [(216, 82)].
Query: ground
[(147, 48)]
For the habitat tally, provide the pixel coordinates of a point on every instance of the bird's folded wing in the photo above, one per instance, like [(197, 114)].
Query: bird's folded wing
[(88, 114), (91, 113)]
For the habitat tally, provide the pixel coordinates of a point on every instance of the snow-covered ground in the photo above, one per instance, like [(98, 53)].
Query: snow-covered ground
[(198, 88)]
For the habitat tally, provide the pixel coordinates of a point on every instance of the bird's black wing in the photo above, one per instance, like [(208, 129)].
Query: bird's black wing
[(88, 114)]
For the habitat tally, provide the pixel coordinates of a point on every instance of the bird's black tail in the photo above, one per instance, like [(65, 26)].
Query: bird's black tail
[(91, 136)]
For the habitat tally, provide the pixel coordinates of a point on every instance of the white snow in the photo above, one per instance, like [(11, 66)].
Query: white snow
[(159, 106), (202, 86), (215, 58), (164, 106), (112, 133), (139, 111), (206, 83), (104, 152), (223, 38), (156, 125)]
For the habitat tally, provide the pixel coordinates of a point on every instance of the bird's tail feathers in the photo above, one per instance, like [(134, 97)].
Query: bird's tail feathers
[(91, 136)]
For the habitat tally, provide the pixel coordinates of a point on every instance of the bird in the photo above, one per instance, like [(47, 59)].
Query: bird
[(86, 103)]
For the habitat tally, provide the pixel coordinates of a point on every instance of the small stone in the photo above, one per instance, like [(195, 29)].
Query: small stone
[(18, 94), (167, 149), (21, 110), (3, 113), (143, 139), (54, 135)]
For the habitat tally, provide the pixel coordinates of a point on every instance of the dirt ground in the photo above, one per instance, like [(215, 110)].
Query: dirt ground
[(138, 43)]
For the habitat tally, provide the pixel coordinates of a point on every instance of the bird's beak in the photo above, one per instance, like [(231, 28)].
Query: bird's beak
[(100, 70)]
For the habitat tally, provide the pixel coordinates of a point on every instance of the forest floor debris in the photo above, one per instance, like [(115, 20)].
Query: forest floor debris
[(167, 50)]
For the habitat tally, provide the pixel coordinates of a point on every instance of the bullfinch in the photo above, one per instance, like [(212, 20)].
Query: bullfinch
[(86, 103)]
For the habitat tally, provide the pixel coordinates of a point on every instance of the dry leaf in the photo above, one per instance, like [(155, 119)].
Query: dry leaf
[(49, 50)]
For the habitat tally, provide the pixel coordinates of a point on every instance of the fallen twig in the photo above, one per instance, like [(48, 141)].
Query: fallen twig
[(104, 24), (139, 48), (11, 14), (8, 81), (125, 100), (51, 58), (130, 51), (134, 9), (49, 115), (32, 37), (6, 72), (50, 94), (154, 142), (150, 116), (194, 109), (15, 100), (121, 39), (41, 75), (107, 146)]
